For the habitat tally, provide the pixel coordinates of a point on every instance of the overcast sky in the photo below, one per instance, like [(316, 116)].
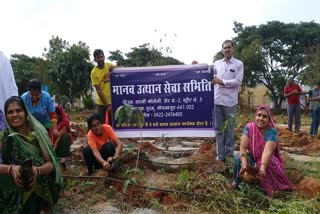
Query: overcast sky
[(193, 29)]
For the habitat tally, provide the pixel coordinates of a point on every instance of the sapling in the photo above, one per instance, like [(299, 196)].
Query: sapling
[(128, 114)]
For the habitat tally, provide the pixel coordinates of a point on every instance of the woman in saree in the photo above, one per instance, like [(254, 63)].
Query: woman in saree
[(26, 140), (260, 140), (63, 140)]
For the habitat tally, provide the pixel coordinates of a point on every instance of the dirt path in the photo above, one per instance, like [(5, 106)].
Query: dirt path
[(304, 158)]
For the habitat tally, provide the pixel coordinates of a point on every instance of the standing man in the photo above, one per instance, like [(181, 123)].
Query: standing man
[(100, 79), (8, 86), (292, 92), (314, 98), (228, 75)]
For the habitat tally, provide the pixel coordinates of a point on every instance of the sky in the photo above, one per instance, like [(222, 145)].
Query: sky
[(193, 29)]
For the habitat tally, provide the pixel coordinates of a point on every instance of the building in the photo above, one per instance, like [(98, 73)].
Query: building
[(251, 98)]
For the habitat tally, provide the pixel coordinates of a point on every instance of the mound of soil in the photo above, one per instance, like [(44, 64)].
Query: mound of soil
[(149, 148), (309, 187), (312, 149), (292, 139), (206, 153)]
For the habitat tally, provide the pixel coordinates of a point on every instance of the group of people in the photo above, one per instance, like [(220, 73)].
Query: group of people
[(53, 118), (259, 138), (292, 92), (259, 144), (30, 174), (34, 133), (36, 129), (104, 147)]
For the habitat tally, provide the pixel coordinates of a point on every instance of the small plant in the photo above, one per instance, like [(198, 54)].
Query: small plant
[(155, 204), (127, 113), (184, 180), (129, 149), (88, 102), (133, 175), (162, 170), (138, 173), (71, 183), (127, 182), (231, 121), (110, 192), (165, 144)]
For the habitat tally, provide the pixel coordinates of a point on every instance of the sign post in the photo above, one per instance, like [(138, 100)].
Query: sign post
[(177, 101)]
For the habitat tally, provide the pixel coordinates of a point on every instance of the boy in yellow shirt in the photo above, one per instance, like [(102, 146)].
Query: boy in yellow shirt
[(100, 79)]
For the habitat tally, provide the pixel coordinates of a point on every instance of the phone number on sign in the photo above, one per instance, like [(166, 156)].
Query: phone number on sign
[(168, 114)]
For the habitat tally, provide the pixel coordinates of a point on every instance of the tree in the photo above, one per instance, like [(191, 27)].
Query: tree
[(274, 51), (141, 56), (69, 68), (56, 46), (312, 74), (26, 68)]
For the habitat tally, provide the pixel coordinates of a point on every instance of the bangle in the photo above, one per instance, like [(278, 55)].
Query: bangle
[(54, 120), (10, 169), (38, 170), (244, 164), (263, 172)]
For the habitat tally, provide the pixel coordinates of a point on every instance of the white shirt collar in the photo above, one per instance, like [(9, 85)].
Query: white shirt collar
[(231, 60)]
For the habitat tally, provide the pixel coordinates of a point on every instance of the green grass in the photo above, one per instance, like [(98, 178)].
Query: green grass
[(308, 168)]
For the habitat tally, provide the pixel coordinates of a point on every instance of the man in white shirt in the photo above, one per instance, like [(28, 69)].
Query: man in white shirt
[(228, 76), (8, 86)]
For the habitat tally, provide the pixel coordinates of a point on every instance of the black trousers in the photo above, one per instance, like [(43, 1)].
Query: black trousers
[(106, 151), (101, 110)]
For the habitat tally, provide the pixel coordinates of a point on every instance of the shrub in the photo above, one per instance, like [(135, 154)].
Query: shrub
[(88, 102)]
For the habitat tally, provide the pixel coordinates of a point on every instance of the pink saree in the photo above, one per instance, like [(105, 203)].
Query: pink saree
[(274, 179)]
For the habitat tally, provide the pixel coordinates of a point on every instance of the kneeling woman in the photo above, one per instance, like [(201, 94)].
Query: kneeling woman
[(24, 140), (63, 140), (260, 139), (104, 145)]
